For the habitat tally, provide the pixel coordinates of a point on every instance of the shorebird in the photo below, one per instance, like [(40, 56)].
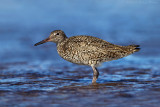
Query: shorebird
[(87, 50)]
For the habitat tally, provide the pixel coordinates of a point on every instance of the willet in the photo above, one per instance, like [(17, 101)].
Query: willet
[(87, 50)]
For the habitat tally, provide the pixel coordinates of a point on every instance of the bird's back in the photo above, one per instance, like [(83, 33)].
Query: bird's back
[(90, 50)]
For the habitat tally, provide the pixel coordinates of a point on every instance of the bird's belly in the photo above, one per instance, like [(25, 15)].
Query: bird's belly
[(75, 59), (81, 59), (79, 56)]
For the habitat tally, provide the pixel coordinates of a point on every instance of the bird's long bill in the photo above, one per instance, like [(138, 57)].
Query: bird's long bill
[(43, 41)]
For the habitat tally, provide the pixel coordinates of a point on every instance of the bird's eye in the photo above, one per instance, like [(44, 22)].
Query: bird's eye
[(57, 34)]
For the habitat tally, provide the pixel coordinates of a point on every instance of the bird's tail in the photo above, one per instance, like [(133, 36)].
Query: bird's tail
[(133, 48)]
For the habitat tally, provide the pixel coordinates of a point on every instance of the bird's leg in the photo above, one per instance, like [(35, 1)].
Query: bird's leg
[(95, 74)]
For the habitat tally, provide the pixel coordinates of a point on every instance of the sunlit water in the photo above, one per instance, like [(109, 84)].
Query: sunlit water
[(37, 76)]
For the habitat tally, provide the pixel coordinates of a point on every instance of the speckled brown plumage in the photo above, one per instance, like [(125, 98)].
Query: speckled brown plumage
[(88, 50)]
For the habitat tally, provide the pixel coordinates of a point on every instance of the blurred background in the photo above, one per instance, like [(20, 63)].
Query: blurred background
[(124, 22), (30, 72)]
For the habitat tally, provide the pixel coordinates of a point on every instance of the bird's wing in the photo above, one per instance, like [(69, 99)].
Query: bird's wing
[(93, 48)]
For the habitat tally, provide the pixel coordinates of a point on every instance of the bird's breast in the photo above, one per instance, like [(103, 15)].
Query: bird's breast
[(70, 54)]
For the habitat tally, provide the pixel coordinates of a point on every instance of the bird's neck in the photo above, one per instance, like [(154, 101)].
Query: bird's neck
[(62, 40)]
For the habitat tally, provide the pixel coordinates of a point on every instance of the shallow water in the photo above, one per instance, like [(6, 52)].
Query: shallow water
[(37, 76), (33, 84)]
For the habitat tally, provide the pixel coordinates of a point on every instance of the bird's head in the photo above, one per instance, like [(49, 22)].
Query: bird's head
[(56, 36)]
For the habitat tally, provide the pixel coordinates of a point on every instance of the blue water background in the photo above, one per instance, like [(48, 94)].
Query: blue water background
[(123, 22)]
